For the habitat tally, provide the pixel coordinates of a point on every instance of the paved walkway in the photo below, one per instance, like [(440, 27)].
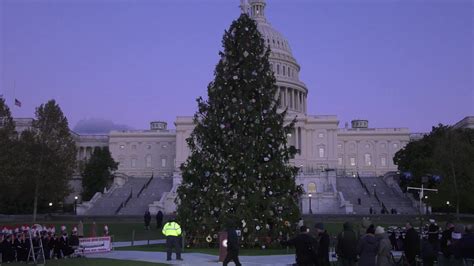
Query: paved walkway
[(195, 258)]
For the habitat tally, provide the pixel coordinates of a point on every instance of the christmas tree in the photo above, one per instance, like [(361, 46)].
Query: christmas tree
[(238, 170)]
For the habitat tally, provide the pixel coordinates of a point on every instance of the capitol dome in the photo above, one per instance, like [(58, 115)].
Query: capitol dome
[(292, 92)]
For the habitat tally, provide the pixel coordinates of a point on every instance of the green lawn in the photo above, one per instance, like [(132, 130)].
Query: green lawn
[(213, 251), (93, 262)]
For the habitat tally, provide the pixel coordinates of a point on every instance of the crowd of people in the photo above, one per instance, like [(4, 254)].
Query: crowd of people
[(16, 242), (373, 245)]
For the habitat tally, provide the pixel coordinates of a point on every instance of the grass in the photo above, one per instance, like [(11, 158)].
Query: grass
[(121, 231), (94, 262), (213, 251)]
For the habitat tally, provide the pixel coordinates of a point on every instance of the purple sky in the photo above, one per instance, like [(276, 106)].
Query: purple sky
[(397, 63)]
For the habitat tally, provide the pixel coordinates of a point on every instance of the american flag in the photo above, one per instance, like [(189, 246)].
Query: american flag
[(17, 103)]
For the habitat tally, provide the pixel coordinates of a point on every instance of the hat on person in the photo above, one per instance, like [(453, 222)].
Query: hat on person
[(379, 230), (432, 221), (319, 226), (371, 229)]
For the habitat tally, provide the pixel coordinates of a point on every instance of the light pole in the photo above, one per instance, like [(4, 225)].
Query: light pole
[(50, 208), (448, 206), (310, 209), (75, 204)]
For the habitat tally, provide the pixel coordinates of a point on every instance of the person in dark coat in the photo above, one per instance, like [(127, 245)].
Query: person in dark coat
[(346, 247), (64, 245), (8, 251), (411, 244), (368, 247), (46, 238), (466, 244), (393, 240), (323, 239), (455, 248), (430, 245), (21, 247), (147, 218), (445, 242), (232, 247), (159, 220), (428, 251), (305, 246)]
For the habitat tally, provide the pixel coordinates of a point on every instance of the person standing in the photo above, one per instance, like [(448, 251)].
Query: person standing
[(159, 220), (346, 246), (147, 218), (322, 237), (232, 247), (446, 240), (368, 247), (172, 231), (305, 246), (359, 201), (384, 255), (466, 244), (411, 244)]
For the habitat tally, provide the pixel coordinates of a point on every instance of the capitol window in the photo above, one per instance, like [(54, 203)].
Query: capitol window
[(134, 162), (368, 160), (383, 146), (383, 161), (122, 147), (163, 162), (395, 145), (284, 70), (148, 160), (321, 152), (278, 69), (148, 146), (321, 135), (339, 146), (353, 161), (339, 160)]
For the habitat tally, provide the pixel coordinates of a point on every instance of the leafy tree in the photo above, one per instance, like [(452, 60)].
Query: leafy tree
[(238, 170), (446, 155), (97, 172), (7, 152), (36, 166), (57, 155)]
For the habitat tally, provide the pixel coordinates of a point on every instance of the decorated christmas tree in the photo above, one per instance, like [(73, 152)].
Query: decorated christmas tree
[(238, 171)]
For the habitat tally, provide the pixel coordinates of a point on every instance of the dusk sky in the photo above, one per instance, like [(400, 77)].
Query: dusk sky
[(406, 63)]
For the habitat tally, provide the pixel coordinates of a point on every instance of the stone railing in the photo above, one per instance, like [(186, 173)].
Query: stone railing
[(83, 207)]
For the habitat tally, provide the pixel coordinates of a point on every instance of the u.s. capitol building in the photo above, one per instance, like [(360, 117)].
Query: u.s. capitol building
[(339, 163)]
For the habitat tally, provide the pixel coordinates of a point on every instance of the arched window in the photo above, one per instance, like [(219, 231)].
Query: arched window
[(284, 71), (311, 188), (278, 69)]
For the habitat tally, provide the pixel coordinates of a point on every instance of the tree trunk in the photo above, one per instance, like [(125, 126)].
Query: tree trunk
[(37, 179), (453, 173), (35, 204)]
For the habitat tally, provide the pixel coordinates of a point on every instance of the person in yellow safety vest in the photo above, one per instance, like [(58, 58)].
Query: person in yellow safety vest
[(172, 231)]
